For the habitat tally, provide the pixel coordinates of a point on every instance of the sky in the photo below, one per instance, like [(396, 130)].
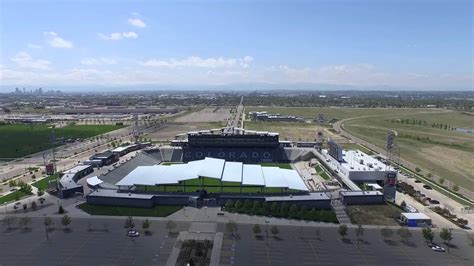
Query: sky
[(404, 44)]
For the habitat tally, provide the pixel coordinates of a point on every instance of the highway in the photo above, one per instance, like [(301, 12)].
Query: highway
[(235, 120)]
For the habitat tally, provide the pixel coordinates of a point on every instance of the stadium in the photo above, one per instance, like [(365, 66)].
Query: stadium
[(209, 167)]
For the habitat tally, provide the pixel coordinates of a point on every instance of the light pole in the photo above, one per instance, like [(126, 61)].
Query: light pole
[(266, 232)]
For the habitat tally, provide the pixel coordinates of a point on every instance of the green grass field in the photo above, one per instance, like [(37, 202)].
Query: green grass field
[(43, 183), (157, 211), (20, 140), (12, 196), (446, 153), (321, 172)]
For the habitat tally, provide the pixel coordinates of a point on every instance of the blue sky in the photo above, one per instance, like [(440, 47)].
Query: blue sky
[(402, 44)]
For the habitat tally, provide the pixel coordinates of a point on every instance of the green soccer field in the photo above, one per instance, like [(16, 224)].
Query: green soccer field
[(21, 140)]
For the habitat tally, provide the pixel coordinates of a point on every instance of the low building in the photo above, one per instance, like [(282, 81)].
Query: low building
[(67, 185), (361, 197), (416, 219), (105, 158)]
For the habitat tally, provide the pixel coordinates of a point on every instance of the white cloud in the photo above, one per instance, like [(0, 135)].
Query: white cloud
[(34, 46), (24, 60), (98, 61), (137, 22), (118, 36), (195, 61), (53, 39)]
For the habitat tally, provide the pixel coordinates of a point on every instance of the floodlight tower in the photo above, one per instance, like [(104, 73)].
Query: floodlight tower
[(390, 145), (53, 141)]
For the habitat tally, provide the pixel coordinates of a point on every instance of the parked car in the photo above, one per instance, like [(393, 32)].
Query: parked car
[(427, 187), (417, 181), (133, 233), (437, 248), (434, 202)]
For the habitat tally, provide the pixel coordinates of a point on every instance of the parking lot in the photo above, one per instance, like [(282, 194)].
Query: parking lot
[(104, 242)]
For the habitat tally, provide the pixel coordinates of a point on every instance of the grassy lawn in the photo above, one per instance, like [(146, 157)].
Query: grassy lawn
[(320, 171), (43, 183), (12, 196), (20, 140), (445, 153), (281, 165), (157, 211), (373, 214)]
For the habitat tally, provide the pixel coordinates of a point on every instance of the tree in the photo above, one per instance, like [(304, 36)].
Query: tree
[(48, 222), (40, 192), (146, 225), (231, 227), (428, 234), (342, 230), (274, 229), (404, 233), (293, 211), (256, 206), (403, 204), (170, 225), (447, 236), (61, 209), (129, 223), (24, 222), (256, 229), (441, 180), (386, 233), (429, 175), (456, 188), (359, 232), (8, 221), (229, 204), (238, 205), (417, 169), (34, 206), (274, 208), (65, 221), (317, 233)]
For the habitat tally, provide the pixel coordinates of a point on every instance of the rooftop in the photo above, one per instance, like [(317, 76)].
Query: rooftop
[(247, 174)]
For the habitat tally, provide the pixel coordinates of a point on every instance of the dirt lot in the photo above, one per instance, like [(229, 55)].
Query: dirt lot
[(217, 114), (168, 133), (373, 214)]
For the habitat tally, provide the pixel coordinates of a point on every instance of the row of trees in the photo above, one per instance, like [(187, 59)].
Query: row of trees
[(24, 223), (284, 210)]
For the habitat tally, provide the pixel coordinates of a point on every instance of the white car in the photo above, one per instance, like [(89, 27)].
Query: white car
[(437, 248), (133, 233)]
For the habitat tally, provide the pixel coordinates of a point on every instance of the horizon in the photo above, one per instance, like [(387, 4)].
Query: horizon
[(237, 45)]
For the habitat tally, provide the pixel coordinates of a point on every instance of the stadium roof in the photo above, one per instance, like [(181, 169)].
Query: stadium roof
[(247, 174)]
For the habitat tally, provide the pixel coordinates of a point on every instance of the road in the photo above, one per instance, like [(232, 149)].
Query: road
[(238, 114)]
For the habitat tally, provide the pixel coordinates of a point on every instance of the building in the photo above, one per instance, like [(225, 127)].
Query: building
[(213, 176), (103, 158), (416, 219), (361, 197), (266, 117), (354, 168), (67, 185)]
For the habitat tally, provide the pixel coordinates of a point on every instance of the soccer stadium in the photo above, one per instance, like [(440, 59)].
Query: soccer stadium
[(208, 167)]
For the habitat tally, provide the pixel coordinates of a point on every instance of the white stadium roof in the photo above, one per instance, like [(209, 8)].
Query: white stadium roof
[(232, 172), (247, 174)]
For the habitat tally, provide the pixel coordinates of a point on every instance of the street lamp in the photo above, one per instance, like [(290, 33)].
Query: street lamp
[(266, 231)]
